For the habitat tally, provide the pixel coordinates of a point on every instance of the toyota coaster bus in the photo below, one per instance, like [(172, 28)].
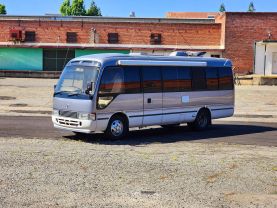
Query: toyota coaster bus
[(114, 92)]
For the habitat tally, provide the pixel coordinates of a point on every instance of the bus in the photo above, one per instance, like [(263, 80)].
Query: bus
[(111, 93)]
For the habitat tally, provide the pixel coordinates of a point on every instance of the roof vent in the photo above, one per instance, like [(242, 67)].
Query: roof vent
[(188, 53), (138, 54)]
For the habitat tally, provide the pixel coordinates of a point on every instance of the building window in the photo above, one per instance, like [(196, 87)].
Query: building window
[(215, 56), (155, 38), (71, 37), (30, 36), (16, 35), (56, 59), (113, 38)]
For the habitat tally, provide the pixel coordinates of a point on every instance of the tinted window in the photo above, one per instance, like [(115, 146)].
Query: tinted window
[(151, 79), (184, 76), (170, 79), (112, 81), (225, 78), (198, 78), (131, 79), (212, 78)]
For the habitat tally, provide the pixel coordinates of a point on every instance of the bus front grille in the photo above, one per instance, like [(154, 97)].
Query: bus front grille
[(68, 114), (69, 122)]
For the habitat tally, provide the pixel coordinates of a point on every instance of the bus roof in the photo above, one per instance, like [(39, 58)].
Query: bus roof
[(113, 59)]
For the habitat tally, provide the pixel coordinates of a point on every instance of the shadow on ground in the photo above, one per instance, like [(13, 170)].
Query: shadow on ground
[(229, 133)]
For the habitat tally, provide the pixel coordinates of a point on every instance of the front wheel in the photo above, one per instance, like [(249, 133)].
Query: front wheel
[(117, 128), (202, 120)]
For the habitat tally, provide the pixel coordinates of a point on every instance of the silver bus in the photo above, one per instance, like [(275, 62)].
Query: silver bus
[(114, 92)]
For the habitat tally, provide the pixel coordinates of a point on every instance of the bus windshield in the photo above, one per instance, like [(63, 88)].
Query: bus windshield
[(75, 80)]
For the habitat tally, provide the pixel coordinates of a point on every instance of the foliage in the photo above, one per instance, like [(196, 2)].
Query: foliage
[(222, 8), (93, 10), (65, 8), (3, 9), (78, 8), (251, 7)]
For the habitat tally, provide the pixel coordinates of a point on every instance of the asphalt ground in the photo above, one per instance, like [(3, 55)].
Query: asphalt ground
[(248, 133)]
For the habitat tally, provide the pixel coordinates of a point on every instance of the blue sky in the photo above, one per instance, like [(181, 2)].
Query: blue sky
[(142, 8)]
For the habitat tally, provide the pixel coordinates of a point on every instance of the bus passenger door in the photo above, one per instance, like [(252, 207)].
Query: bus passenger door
[(152, 97)]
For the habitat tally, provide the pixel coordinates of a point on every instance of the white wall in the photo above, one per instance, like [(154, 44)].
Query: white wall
[(262, 50), (259, 58)]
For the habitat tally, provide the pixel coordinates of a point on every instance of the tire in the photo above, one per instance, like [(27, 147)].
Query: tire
[(170, 126), (202, 120), (117, 128)]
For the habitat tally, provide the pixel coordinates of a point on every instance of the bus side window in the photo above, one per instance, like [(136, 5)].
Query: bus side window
[(112, 81), (170, 79), (212, 78), (198, 78), (112, 84), (225, 78), (152, 82), (132, 83), (184, 79)]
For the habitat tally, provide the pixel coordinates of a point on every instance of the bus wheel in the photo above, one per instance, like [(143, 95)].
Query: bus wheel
[(202, 120), (117, 127)]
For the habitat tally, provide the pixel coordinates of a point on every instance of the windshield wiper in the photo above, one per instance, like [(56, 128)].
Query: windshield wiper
[(61, 92), (74, 94)]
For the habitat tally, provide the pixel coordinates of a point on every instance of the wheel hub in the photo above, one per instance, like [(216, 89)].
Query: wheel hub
[(117, 128)]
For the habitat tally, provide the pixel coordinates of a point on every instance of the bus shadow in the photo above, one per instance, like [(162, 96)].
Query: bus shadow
[(229, 133)]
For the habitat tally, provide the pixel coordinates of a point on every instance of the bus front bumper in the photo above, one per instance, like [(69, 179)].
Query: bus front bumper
[(74, 125)]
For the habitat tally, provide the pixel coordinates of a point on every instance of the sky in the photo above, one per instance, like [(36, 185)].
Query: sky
[(142, 8)]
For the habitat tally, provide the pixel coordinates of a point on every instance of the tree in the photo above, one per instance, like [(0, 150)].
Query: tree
[(78, 8), (222, 8), (251, 7), (93, 10), (3, 9), (65, 8)]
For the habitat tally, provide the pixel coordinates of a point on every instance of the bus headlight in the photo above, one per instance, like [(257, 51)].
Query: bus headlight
[(86, 116), (55, 113), (83, 116)]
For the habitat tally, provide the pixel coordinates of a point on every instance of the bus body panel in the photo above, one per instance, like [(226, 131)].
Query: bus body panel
[(163, 108)]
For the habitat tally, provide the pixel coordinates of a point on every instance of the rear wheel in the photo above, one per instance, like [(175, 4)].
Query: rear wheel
[(202, 120), (117, 128)]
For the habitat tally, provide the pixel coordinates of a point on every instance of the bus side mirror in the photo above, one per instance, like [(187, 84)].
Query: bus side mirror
[(55, 87), (90, 88)]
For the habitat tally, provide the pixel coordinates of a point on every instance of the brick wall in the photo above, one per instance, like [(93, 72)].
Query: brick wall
[(198, 34), (242, 31)]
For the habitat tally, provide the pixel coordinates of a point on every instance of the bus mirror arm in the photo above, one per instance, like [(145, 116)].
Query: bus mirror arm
[(90, 88)]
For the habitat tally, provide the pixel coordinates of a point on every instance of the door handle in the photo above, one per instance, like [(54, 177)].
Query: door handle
[(149, 100)]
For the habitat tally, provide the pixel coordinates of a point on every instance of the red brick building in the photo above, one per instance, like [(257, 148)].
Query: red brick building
[(48, 42)]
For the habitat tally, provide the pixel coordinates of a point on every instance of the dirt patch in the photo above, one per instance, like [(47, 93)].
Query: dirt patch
[(19, 105), (29, 111), (7, 98)]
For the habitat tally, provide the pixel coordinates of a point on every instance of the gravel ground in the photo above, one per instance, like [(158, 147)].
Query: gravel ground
[(70, 173)]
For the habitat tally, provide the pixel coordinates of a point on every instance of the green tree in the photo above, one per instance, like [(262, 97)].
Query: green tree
[(3, 9), (65, 8), (251, 7), (93, 10), (78, 8), (222, 8)]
